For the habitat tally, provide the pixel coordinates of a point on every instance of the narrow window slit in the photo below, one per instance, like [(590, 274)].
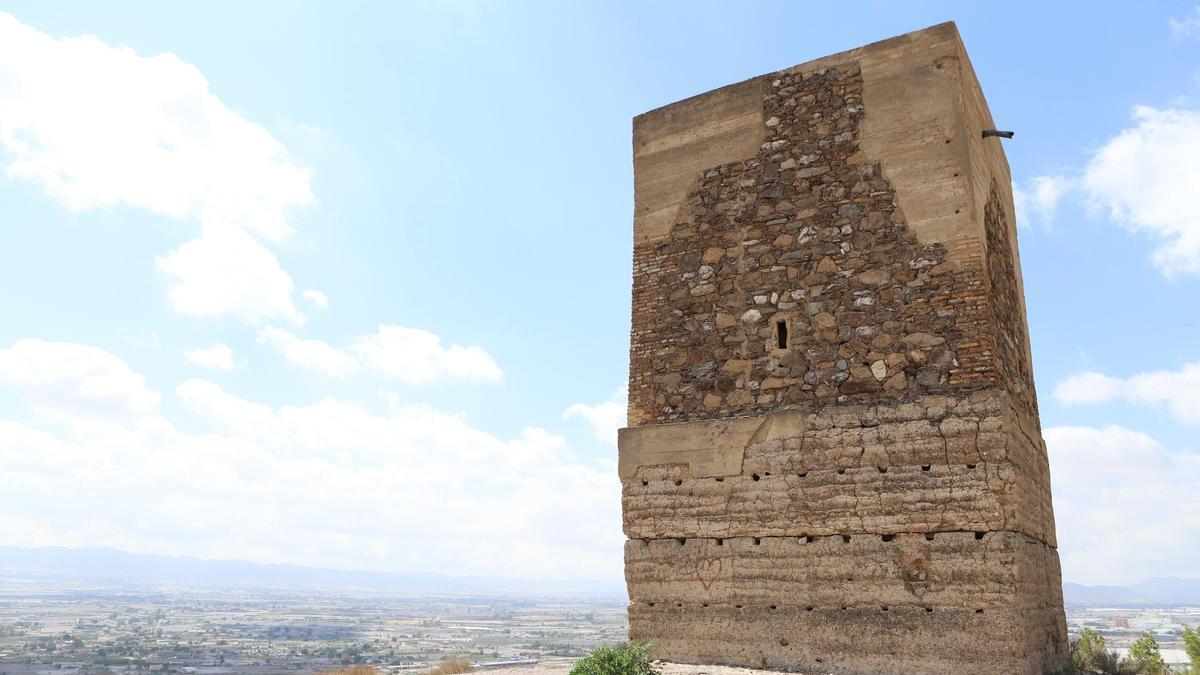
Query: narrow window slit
[(781, 334), (979, 611), (845, 539), (757, 541), (720, 542)]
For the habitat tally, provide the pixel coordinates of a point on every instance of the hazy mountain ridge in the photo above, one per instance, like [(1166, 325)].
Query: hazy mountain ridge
[(1161, 591), (111, 566)]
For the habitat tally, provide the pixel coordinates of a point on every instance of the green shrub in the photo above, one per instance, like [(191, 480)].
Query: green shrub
[(625, 659)]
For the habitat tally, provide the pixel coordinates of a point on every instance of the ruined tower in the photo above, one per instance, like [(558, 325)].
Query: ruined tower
[(834, 461)]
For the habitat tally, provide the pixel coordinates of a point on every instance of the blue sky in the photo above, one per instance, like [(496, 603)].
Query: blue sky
[(349, 285)]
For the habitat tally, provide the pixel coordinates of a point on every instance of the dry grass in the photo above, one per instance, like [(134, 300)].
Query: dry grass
[(451, 666)]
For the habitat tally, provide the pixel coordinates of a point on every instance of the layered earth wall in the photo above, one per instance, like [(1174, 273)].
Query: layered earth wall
[(834, 460)]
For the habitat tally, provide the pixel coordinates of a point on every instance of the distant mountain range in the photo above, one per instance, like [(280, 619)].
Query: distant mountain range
[(111, 567), (1161, 591)]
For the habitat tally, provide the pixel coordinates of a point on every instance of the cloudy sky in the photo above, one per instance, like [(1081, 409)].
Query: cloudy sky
[(295, 282)]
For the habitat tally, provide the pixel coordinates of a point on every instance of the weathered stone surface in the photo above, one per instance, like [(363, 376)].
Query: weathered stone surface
[(899, 640), (834, 459), (990, 570)]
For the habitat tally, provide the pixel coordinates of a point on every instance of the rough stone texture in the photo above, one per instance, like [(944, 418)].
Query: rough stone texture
[(834, 460)]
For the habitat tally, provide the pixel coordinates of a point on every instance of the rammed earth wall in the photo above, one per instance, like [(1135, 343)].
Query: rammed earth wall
[(834, 460)]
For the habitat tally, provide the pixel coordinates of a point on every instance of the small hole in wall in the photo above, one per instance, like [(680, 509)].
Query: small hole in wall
[(679, 604), (928, 536), (719, 480), (884, 608), (802, 475), (651, 604), (782, 641), (925, 467), (957, 210), (678, 483), (705, 604), (772, 606), (808, 609), (757, 541), (720, 542), (681, 540), (979, 611), (781, 334), (882, 469), (970, 466), (845, 539), (645, 483), (738, 606), (841, 472), (947, 141), (929, 610), (887, 537), (978, 536), (754, 477), (808, 539)]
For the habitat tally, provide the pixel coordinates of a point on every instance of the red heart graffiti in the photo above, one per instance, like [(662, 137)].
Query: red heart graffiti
[(708, 571)]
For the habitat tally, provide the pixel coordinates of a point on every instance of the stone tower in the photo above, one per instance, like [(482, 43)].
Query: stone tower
[(834, 461)]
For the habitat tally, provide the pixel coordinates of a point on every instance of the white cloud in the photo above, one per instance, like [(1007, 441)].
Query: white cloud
[(1126, 507), (1145, 177), (100, 126), (407, 354), (216, 357), (65, 380), (1087, 387), (1177, 391), (226, 271), (328, 484), (1045, 193), (317, 298), (315, 355), (1187, 27), (605, 418)]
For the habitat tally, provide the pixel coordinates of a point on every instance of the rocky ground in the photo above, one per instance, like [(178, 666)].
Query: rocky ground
[(563, 667)]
